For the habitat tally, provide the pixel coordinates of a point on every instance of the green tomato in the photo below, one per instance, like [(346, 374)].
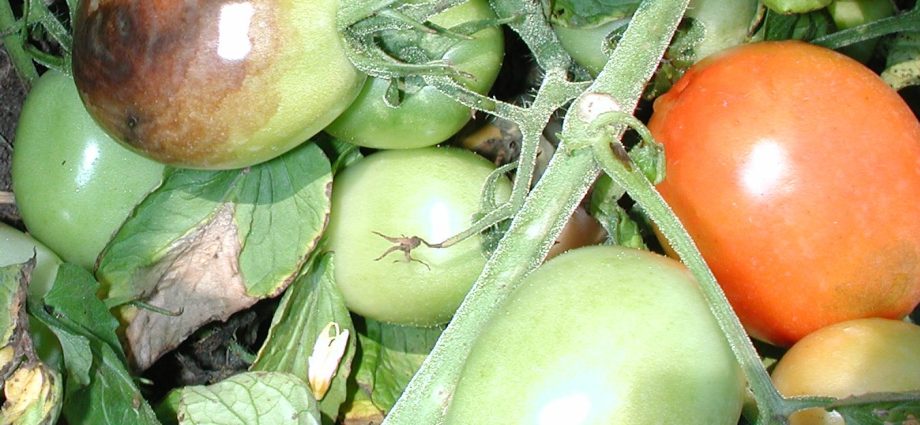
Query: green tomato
[(851, 13), (16, 248), (601, 335), (74, 185), (217, 84), (431, 193), (426, 116), (724, 25)]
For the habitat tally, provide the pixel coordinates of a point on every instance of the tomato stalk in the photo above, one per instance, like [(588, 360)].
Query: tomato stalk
[(542, 216), (625, 173), (13, 44)]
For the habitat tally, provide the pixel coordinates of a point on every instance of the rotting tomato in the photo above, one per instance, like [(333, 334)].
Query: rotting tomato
[(849, 358), (74, 185), (426, 116), (431, 193), (796, 169), (601, 335), (218, 84)]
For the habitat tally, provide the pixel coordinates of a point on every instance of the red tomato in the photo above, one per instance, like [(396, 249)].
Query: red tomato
[(797, 172)]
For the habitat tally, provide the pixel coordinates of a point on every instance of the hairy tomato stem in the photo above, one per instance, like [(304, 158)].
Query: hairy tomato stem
[(545, 211), (13, 44)]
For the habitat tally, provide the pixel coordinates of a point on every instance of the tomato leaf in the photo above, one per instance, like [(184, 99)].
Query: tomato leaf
[(249, 398), (582, 13), (207, 244), (902, 408), (903, 62), (390, 356), (604, 206), (105, 394), (805, 26), (31, 390), (309, 304)]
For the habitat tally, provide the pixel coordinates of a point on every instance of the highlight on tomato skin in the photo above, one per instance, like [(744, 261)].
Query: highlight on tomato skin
[(793, 168), (212, 85)]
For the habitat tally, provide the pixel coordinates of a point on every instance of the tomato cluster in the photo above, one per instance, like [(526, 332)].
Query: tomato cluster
[(793, 168)]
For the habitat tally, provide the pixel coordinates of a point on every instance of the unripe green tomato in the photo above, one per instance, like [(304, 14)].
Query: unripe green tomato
[(851, 13), (74, 185), (431, 193), (16, 248), (725, 24), (426, 116), (849, 358), (795, 6), (601, 335), (212, 84)]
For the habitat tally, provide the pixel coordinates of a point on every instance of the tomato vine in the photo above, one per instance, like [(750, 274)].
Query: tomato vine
[(600, 111)]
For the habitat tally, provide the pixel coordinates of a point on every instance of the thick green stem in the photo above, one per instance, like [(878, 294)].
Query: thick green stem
[(768, 400), (21, 60), (539, 221)]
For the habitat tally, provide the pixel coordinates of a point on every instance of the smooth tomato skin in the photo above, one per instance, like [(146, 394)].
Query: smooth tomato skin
[(601, 335), (431, 193), (795, 170), (849, 358), (74, 185), (213, 85), (426, 117), (724, 24), (17, 247)]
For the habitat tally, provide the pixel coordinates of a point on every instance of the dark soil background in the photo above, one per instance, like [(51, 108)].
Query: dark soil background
[(12, 92)]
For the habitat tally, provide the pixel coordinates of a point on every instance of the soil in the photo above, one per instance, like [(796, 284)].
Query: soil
[(12, 93)]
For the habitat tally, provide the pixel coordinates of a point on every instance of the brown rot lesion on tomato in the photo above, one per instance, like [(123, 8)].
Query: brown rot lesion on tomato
[(405, 244)]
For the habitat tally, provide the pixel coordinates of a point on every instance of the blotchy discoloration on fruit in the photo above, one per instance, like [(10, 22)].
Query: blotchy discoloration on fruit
[(209, 83), (173, 97)]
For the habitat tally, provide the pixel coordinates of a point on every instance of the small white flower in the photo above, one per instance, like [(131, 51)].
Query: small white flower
[(327, 353)]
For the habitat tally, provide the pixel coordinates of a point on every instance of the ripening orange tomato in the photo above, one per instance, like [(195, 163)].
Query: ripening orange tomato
[(797, 172)]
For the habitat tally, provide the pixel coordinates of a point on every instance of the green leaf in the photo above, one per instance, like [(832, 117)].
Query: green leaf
[(807, 26), (73, 300), (902, 66), (902, 409), (587, 13), (106, 394), (32, 391), (621, 228), (310, 303), (77, 354), (249, 398), (207, 244), (391, 354)]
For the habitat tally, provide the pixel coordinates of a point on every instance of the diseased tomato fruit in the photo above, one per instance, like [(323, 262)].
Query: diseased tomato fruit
[(602, 335), (430, 193), (217, 84), (850, 358), (797, 172), (74, 185)]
